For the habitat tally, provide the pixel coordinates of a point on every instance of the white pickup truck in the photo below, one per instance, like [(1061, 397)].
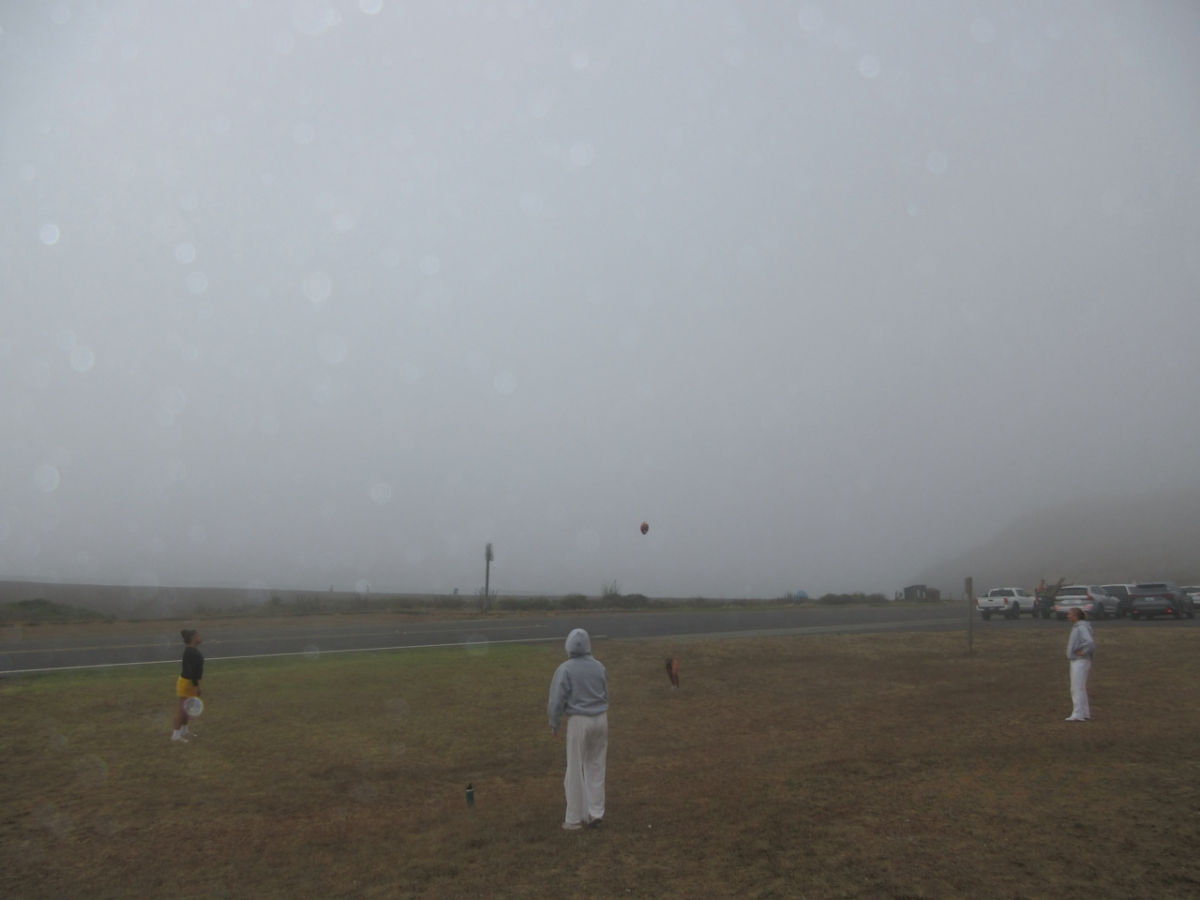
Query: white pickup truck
[(1008, 602)]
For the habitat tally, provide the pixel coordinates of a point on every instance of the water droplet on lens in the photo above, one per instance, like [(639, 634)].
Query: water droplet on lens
[(381, 494), (370, 7), (28, 173), (45, 478), (868, 66), (185, 253), (811, 19), (312, 651), (82, 359), (476, 644), (505, 382), (317, 287), (49, 234)]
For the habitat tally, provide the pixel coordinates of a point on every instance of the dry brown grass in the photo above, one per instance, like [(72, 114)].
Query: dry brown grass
[(865, 766)]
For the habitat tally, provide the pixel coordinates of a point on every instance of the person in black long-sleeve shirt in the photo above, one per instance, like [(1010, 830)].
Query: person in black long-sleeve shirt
[(188, 683)]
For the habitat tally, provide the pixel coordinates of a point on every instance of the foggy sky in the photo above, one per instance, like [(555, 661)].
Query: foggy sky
[(325, 293)]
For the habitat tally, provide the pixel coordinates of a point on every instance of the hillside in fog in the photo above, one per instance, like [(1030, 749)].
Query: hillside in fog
[(1098, 541)]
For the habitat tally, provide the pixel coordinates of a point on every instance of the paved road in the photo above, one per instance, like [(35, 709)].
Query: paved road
[(26, 650)]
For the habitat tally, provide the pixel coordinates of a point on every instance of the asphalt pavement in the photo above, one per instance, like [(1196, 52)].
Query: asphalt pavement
[(29, 650)]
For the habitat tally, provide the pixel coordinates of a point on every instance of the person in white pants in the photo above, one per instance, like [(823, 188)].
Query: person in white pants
[(580, 690), (1081, 647)]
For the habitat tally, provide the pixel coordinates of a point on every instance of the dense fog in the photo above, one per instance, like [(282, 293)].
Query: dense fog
[(335, 293)]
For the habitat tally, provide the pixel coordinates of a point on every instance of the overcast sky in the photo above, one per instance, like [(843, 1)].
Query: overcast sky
[(325, 293)]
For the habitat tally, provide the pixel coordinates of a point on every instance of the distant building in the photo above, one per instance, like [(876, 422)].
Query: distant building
[(921, 592)]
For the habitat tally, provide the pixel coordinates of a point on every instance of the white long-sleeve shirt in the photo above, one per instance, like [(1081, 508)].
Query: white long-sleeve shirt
[(1081, 639)]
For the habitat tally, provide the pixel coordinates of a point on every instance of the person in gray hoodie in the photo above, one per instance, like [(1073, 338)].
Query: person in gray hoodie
[(1081, 647), (580, 689)]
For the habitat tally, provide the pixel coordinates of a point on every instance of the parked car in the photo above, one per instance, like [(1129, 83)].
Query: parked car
[(1091, 598), (1121, 592), (1160, 598), (1007, 602), (1193, 591)]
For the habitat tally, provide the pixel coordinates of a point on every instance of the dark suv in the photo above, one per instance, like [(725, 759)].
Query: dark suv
[(1159, 598), (1121, 592)]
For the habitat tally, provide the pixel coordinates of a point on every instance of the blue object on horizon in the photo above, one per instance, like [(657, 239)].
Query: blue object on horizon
[(800, 595)]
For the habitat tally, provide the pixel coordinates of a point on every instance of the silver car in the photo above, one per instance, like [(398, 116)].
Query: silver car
[(1091, 598)]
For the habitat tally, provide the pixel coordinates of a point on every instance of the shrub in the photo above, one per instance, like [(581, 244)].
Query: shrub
[(629, 601), (847, 599), (573, 601)]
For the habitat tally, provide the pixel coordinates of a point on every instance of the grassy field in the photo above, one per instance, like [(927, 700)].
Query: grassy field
[(862, 766)]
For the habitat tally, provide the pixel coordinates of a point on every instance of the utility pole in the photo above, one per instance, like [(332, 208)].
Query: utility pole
[(487, 574), (970, 590)]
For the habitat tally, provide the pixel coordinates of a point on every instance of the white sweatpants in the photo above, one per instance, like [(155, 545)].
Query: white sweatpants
[(587, 754), (1079, 698)]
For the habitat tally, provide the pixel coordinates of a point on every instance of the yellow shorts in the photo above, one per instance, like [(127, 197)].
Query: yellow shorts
[(185, 688)]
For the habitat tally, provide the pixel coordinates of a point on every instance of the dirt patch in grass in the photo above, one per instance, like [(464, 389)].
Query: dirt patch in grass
[(858, 766)]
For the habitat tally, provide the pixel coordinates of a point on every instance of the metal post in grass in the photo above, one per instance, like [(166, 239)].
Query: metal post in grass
[(487, 573), (969, 586)]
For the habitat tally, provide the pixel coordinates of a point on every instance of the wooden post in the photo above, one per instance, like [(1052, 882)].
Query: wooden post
[(970, 590), (487, 574)]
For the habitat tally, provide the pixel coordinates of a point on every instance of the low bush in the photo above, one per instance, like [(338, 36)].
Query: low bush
[(847, 599)]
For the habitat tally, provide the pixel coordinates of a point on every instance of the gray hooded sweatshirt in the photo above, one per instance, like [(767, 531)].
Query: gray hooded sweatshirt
[(580, 686), (1081, 639)]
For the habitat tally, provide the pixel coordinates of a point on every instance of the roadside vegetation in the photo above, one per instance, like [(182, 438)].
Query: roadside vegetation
[(42, 612)]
